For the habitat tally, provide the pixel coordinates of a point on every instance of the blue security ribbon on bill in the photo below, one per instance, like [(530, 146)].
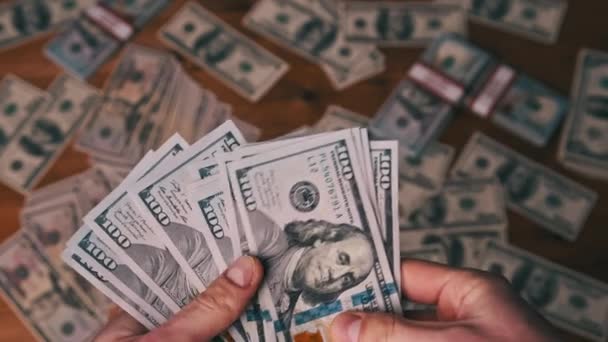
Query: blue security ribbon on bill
[(326, 309)]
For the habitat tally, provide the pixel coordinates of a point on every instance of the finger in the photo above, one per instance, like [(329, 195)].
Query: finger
[(214, 310), (355, 326), (458, 293), (121, 327), (424, 281)]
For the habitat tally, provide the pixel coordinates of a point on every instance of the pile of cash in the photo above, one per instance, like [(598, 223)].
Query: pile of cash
[(98, 33), (186, 211), (49, 296), (138, 109), (36, 125), (24, 20), (540, 21), (424, 103), (178, 188), (206, 40), (343, 39), (147, 98), (453, 72), (152, 241)]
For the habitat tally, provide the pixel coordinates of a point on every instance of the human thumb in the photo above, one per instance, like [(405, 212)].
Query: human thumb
[(380, 327), (214, 310)]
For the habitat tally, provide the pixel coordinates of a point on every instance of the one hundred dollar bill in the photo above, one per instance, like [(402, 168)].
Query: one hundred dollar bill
[(547, 198), (537, 20), (24, 20), (568, 299), (118, 223), (385, 165), (96, 262), (336, 118), (472, 203), (35, 290), (399, 23), (297, 202), (31, 152), (303, 30), (209, 42), (463, 247), (213, 215), (19, 101), (583, 145), (163, 203), (422, 177)]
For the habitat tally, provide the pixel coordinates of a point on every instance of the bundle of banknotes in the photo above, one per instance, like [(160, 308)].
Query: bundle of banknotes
[(24, 20), (321, 211), (98, 32), (147, 98), (343, 38), (36, 125), (452, 73), (53, 300), (584, 142), (540, 21)]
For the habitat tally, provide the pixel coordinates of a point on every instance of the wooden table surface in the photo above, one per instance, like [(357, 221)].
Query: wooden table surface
[(303, 94)]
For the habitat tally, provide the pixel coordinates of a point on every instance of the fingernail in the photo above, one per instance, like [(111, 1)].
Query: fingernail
[(241, 271), (348, 326)]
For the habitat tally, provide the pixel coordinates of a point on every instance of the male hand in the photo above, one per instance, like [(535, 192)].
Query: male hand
[(209, 314), (471, 306)]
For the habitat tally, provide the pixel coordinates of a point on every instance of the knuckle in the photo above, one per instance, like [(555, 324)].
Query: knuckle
[(391, 328), (217, 298)]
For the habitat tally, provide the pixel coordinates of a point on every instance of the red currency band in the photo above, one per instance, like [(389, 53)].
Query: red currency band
[(486, 100), (436, 82), (110, 22)]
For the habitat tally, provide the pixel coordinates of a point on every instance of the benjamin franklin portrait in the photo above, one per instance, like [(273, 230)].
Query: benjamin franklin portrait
[(310, 262), (520, 182), (397, 25), (537, 286), (164, 269)]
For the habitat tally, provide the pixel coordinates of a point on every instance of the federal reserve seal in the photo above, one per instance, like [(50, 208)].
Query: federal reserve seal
[(304, 196)]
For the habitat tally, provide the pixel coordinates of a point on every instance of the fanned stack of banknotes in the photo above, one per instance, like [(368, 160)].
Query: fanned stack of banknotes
[(178, 188)]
